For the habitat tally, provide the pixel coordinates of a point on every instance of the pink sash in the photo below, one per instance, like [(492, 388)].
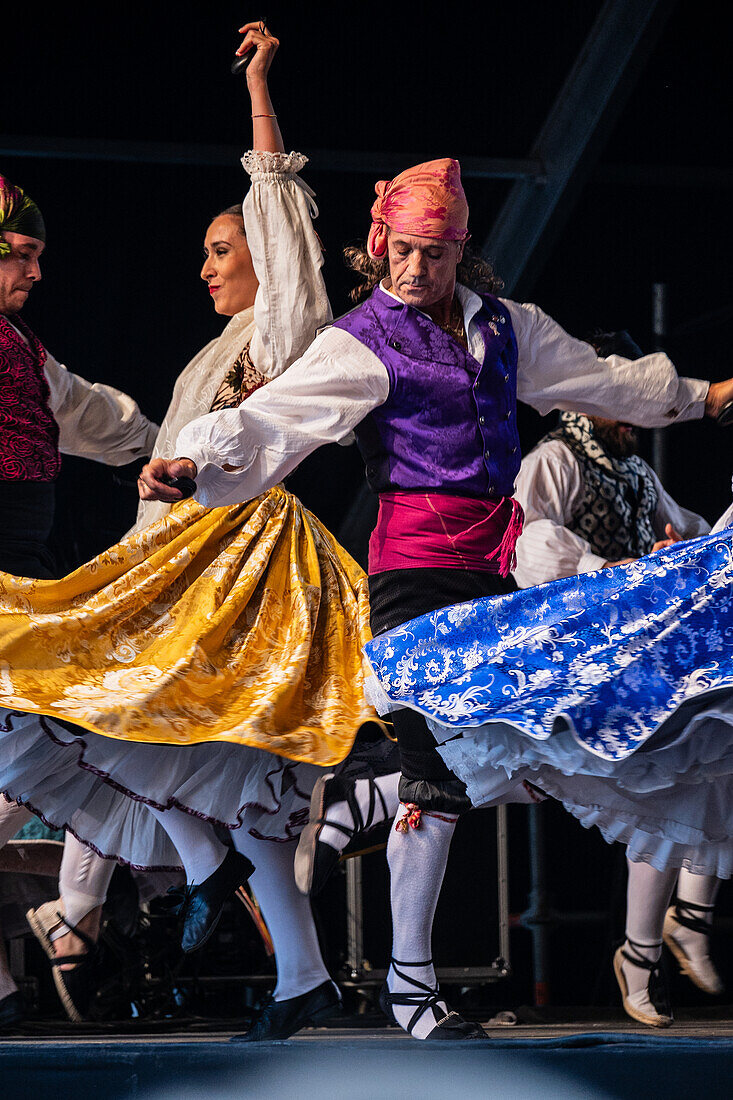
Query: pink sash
[(438, 530)]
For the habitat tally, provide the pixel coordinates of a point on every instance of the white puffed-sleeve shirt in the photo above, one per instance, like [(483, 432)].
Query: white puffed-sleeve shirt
[(95, 421), (339, 381), (550, 488), (290, 305)]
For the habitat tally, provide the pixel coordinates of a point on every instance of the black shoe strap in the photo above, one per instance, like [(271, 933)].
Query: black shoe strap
[(423, 999), (374, 789), (85, 939), (684, 914), (61, 960), (641, 961), (360, 824), (658, 987)]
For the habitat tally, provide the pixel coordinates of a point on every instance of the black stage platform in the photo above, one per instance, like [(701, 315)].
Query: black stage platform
[(594, 1056)]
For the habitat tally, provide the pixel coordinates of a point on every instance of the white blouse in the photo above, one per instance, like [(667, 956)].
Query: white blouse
[(290, 305), (550, 487), (339, 381)]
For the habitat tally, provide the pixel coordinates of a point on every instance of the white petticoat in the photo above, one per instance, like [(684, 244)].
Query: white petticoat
[(671, 802), (66, 780)]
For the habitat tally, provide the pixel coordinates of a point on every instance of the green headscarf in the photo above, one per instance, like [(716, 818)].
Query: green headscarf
[(18, 214)]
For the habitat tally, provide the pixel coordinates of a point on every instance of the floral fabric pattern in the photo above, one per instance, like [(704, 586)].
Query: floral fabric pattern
[(609, 655), (28, 431), (242, 624), (427, 200)]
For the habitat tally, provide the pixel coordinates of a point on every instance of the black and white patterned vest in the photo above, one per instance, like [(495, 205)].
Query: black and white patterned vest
[(620, 498)]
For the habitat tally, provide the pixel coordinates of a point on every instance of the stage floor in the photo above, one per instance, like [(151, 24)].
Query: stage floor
[(598, 1057)]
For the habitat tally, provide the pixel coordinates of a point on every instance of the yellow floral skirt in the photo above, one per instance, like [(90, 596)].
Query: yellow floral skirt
[(242, 624)]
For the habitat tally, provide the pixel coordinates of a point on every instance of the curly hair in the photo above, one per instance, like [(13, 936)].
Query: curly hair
[(473, 271)]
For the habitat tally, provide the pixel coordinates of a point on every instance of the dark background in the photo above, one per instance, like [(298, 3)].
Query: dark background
[(121, 301)]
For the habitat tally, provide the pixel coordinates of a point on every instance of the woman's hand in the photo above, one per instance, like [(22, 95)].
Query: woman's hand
[(152, 483), (266, 134), (258, 39)]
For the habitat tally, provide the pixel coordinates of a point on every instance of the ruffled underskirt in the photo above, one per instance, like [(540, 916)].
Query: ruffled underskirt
[(611, 691), (670, 803), (210, 662), (100, 788)]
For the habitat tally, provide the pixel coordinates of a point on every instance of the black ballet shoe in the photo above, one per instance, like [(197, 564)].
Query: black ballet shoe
[(281, 1019), (11, 1010), (316, 860), (199, 906), (656, 1012), (450, 1025)]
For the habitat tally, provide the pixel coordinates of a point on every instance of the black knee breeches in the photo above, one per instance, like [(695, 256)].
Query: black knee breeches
[(396, 596), (426, 779)]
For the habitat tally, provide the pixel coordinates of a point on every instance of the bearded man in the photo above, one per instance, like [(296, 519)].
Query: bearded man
[(591, 502)]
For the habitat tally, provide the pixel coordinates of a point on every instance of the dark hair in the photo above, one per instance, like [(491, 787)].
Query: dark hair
[(473, 271), (614, 343), (234, 211)]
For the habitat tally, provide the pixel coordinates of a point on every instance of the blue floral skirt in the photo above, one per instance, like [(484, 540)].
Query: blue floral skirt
[(612, 691)]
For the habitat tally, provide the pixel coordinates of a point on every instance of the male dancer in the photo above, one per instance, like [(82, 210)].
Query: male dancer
[(46, 410), (590, 502), (428, 371)]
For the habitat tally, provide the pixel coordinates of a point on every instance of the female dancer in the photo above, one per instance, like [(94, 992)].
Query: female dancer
[(613, 692), (213, 657)]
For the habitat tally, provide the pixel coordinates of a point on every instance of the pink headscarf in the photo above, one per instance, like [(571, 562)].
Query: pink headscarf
[(427, 201)]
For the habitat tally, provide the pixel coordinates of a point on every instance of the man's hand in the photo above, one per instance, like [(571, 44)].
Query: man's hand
[(151, 484), (719, 394), (672, 537), (621, 561)]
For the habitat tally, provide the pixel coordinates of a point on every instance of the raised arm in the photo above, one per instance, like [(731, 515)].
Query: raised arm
[(265, 129), (556, 371), (291, 303)]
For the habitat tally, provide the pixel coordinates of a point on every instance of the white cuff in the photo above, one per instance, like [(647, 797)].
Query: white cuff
[(589, 562), (260, 163)]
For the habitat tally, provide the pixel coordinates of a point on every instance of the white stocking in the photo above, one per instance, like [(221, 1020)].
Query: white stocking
[(695, 900), (84, 879), (340, 812), (197, 844), (287, 913), (12, 818), (417, 860), (699, 889), (647, 898)]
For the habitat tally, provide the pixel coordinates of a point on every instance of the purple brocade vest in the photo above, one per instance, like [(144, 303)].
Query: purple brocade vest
[(449, 423)]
